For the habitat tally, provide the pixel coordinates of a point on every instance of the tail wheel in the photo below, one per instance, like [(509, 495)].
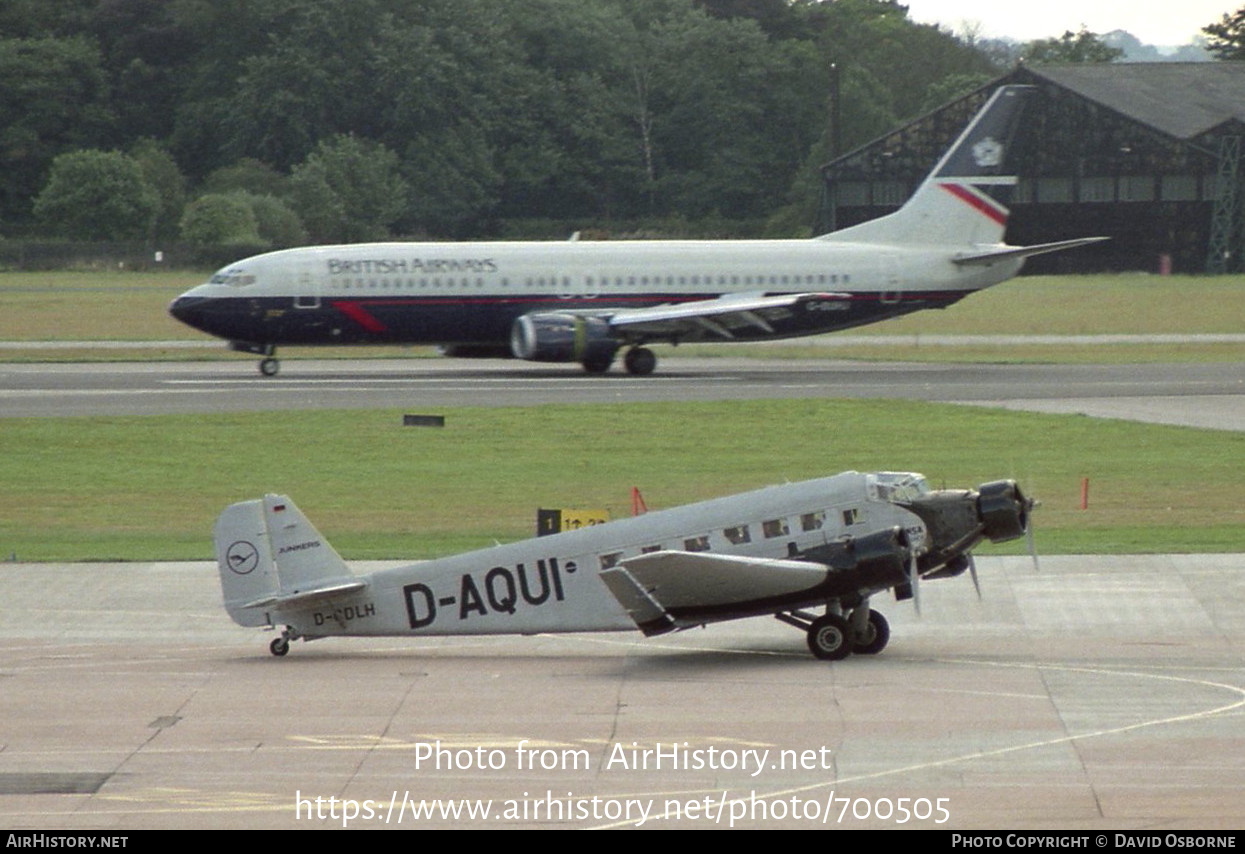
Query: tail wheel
[(830, 638)]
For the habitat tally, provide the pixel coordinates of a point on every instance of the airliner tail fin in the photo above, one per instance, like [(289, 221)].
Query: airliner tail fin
[(964, 199)]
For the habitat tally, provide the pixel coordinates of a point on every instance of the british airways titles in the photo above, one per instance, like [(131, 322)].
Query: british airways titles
[(406, 266)]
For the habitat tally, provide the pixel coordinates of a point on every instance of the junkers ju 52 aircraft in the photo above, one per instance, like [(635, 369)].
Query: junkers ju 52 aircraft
[(829, 544), (583, 301)]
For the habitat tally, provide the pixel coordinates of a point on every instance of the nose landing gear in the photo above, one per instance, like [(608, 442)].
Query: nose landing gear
[(269, 365)]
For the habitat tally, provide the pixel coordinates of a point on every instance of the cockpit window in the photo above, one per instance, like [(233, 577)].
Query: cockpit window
[(897, 486), (233, 278)]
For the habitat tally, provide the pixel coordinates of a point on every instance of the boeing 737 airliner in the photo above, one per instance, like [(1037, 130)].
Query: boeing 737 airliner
[(583, 301)]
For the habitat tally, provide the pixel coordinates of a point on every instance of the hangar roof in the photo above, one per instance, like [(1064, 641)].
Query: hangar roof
[(1181, 99)]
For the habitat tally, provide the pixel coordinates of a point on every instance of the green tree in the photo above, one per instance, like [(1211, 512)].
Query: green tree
[(247, 175), (887, 63), (54, 99), (952, 87), (97, 195), (349, 190), (276, 221), (1082, 46), (40, 18), (221, 219), (1226, 38), (161, 173)]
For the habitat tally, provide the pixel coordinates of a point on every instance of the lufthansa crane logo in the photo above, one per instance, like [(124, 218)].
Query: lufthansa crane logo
[(242, 557), (988, 152)]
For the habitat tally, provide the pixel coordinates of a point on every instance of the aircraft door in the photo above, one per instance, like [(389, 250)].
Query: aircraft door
[(306, 287), (892, 284)]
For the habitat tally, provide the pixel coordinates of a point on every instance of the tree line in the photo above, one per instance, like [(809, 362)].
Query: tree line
[(275, 122)]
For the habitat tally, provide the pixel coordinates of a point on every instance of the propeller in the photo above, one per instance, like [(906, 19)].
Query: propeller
[(914, 581), (972, 573), (1032, 503)]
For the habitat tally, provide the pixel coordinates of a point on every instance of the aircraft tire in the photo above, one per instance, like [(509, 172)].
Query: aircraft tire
[(875, 638), (279, 647), (640, 361), (269, 367), (829, 638)]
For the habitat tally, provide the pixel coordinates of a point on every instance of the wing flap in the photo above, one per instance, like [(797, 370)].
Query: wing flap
[(668, 590), (716, 317), (649, 616)]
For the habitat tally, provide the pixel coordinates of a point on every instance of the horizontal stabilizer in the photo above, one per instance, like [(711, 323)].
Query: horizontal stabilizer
[(1005, 253), (307, 597)]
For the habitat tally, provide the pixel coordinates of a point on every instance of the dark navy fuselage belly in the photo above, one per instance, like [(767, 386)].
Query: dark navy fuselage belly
[(487, 320)]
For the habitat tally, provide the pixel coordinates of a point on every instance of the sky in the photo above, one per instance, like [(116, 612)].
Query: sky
[(1161, 23)]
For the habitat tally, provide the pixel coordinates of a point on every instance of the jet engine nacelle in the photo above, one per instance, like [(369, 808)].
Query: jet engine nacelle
[(559, 337)]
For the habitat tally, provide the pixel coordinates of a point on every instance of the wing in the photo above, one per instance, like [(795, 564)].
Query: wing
[(669, 590), (718, 317)]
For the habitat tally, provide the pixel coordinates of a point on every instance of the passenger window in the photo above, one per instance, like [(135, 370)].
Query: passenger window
[(775, 528), (650, 549), (851, 517), (738, 535), (697, 544), (610, 560), (813, 521)]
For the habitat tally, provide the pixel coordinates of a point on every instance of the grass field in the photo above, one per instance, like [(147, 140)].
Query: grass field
[(145, 488), (148, 488)]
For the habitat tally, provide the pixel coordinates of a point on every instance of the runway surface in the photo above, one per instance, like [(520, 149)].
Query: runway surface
[(1195, 394), (1096, 694)]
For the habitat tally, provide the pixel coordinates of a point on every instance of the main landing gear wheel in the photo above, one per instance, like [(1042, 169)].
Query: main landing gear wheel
[(830, 638), (640, 361), (279, 646), (269, 367), (875, 637), (598, 366)]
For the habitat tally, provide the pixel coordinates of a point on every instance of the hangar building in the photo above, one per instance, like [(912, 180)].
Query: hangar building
[(1147, 153)]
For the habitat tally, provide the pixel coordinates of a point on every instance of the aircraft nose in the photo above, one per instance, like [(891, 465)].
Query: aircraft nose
[(189, 310)]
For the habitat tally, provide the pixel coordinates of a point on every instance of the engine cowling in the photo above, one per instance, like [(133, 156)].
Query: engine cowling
[(562, 337), (1004, 510)]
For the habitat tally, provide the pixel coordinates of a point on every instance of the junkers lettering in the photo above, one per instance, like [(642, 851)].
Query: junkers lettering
[(298, 547), (403, 266), (498, 590)]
